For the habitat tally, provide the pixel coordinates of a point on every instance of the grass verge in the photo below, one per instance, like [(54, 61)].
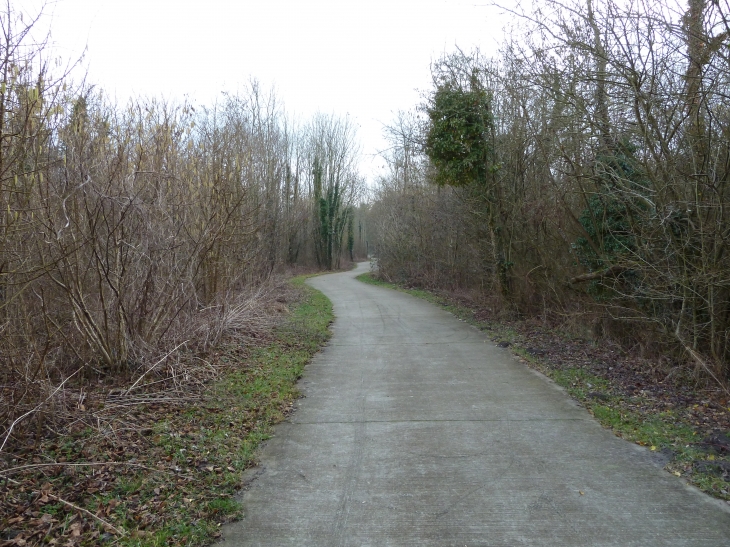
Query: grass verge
[(679, 427), (179, 486)]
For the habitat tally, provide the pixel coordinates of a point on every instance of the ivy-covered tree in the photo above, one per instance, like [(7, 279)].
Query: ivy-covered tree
[(335, 185), (459, 143), (351, 234), (616, 215), (613, 212), (458, 139)]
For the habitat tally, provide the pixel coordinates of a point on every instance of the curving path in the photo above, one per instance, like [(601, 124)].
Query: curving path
[(417, 431)]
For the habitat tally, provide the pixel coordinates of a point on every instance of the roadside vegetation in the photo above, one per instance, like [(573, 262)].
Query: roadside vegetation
[(167, 473), (685, 426), (569, 194), (579, 175), (148, 336)]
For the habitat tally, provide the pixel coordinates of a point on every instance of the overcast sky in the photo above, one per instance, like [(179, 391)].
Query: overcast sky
[(366, 59)]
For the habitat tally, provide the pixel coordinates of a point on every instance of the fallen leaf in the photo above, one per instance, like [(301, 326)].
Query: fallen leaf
[(653, 448), (581, 492), (47, 518), (75, 529)]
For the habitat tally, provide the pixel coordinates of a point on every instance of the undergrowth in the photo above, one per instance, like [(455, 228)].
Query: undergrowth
[(174, 483)]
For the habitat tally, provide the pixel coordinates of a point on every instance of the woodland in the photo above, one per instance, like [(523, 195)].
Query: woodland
[(129, 233), (145, 253), (580, 177), (578, 180)]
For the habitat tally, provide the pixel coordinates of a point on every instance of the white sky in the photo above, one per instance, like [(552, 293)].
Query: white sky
[(366, 59)]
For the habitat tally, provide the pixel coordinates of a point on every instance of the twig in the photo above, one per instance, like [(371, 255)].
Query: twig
[(704, 365), (527, 275), (151, 400), (613, 270), (155, 365), (694, 354), (89, 513), (18, 420), (13, 470)]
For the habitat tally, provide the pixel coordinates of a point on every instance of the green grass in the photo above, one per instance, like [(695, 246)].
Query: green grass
[(215, 441), (623, 414), (653, 431)]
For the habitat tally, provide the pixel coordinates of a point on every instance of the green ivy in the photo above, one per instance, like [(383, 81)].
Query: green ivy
[(613, 215), (458, 138)]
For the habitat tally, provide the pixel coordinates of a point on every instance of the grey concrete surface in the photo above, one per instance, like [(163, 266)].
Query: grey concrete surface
[(417, 431)]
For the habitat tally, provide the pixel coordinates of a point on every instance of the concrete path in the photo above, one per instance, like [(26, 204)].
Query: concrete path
[(417, 431)]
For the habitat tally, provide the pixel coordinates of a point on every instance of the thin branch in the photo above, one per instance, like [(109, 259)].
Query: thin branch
[(38, 407), (13, 470), (155, 365), (612, 271), (86, 512)]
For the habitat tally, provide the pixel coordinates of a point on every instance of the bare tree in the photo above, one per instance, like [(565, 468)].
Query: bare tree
[(607, 174)]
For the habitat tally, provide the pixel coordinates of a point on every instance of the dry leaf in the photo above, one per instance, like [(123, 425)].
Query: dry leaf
[(75, 529)]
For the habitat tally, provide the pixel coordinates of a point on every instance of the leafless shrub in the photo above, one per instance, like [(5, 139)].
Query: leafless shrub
[(609, 188), (133, 238)]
